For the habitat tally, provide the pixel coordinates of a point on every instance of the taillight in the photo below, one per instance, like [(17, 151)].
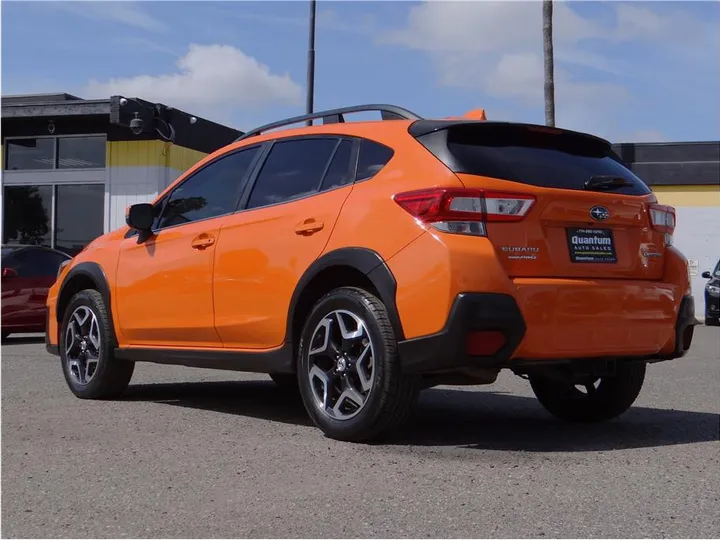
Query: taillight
[(464, 211), (662, 219)]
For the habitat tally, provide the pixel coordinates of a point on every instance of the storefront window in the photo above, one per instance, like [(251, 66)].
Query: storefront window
[(44, 153), (79, 216), (30, 154), (81, 152), (27, 214)]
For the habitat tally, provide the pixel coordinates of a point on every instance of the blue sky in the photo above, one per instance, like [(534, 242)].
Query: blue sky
[(635, 71)]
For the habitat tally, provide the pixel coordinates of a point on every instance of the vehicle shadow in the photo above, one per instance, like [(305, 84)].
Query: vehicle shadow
[(479, 419)]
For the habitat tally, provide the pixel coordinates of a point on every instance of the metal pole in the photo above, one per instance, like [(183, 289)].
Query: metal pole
[(549, 62), (311, 64)]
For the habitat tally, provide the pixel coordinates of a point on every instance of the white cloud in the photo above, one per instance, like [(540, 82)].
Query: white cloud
[(212, 80), (129, 13), (496, 48)]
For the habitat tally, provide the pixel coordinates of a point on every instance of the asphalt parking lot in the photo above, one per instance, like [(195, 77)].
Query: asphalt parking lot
[(194, 453)]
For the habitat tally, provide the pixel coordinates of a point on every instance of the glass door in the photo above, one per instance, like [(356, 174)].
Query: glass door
[(27, 215), (66, 217)]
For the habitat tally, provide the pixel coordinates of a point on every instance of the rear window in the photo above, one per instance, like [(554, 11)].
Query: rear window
[(533, 155)]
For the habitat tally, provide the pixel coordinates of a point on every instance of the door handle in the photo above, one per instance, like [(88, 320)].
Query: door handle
[(202, 241), (308, 227)]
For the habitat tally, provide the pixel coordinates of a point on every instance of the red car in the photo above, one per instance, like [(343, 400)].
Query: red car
[(27, 274)]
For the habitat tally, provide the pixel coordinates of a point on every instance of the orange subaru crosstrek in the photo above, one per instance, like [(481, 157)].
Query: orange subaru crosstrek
[(361, 262)]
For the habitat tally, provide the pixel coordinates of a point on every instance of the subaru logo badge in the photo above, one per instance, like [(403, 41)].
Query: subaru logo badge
[(599, 213)]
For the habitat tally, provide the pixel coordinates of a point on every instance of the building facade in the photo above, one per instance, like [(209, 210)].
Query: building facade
[(686, 176), (72, 166)]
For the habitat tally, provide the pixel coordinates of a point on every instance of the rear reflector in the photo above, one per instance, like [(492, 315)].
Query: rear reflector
[(464, 211), (484, 342)]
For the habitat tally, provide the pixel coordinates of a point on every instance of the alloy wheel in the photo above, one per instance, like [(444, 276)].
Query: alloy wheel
[(82, 345), (341, 365)]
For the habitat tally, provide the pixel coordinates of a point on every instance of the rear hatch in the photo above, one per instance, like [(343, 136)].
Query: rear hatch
[(591, 216)]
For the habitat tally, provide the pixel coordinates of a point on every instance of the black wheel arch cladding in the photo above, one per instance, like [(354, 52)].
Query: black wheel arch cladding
[(86, 275), (367, 262)]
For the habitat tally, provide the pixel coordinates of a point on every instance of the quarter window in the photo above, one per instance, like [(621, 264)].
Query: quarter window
[(293, 169), (373, 157), (212, 191)]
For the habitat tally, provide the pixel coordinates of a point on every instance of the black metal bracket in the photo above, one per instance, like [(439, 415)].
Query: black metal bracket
[(335, 116)]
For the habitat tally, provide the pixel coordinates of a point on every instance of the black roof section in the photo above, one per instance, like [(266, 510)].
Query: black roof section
[(423, 127), (335, 116), (28, 115)]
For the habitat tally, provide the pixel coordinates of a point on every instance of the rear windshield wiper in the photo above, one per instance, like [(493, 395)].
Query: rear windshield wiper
[(606, 183)]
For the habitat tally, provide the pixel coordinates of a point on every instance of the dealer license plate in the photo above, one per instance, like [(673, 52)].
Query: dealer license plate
[(591, 245)]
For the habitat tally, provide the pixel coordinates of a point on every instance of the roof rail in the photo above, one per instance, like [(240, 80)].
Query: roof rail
[(335, 116)]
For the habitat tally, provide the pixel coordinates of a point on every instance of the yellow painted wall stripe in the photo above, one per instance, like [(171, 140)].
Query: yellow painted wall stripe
[(688, 195), (151, 154)]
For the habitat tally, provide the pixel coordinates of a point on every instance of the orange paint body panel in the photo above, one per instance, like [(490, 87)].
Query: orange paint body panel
[(261, 256), (164, 287)]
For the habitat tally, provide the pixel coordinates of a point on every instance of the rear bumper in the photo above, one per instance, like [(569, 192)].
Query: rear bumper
[(446, 350)]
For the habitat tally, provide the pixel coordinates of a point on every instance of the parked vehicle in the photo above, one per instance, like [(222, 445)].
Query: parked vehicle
[(27, 274), (712, 296), (365, 261)]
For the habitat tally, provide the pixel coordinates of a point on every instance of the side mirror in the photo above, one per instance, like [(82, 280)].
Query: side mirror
[(9, 272), (140, 216), (706, 275)]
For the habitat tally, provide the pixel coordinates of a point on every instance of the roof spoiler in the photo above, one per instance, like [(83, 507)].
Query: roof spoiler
[(475, 114)]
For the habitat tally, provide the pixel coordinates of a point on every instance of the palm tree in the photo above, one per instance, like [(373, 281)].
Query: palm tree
[(549, 63)]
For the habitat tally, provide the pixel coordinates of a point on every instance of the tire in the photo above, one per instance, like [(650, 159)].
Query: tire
[(5, 335), (286, 381), (612, 397), (391, 395), (110, 377), (712, 322)]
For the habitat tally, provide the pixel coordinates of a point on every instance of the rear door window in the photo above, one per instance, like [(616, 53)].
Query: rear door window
[(292, 170), (340, 171)]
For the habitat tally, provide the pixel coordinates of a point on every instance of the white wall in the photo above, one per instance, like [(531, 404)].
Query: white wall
[(131, 185), (698, 236)]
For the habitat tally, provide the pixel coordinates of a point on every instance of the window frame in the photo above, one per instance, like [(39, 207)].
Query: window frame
[(56, 145), (352, 164), (165, 197)]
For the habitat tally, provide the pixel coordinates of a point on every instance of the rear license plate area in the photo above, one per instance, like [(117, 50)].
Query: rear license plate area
[(591, 245)]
